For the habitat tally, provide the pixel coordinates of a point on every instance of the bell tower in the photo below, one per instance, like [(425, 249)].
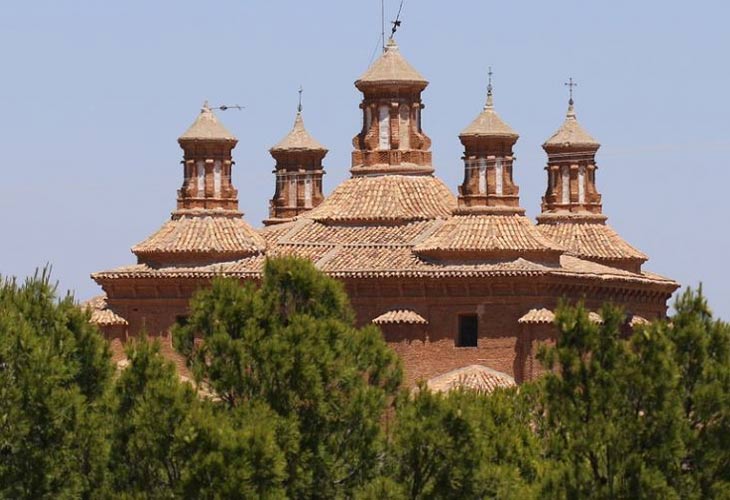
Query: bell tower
[(298, 173), (488, 186), (391, 140), (207, 161)]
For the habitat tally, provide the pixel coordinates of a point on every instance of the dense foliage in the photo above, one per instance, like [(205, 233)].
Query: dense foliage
[(292, 400)]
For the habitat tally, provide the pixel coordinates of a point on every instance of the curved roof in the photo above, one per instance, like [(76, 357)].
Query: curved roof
[(101, 314), (595, 240), (391, 68), (538, 317), (489, 124), (571, 134), (219, 236), (488, 234), (474, 377), (207, 127), (400, 317), (386, 198), (298, 139)]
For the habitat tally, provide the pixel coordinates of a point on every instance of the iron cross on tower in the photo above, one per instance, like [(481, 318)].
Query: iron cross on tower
[(570, 84)]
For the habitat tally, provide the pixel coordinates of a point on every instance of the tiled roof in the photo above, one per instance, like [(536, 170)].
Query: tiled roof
[(100, 313), (400, 317), (207, 127), (538, 316), (482, 235), (594, 240), (637, 320), (571, 134), (298, 139), (489, 124), (595, 317), (226, 237), (386, 198), (391, 68), (475, 377)]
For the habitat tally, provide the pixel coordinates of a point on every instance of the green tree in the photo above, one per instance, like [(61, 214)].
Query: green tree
[(55, 372), (702, 353), (613, 423), (291, 344), (464, 444), (169, 442)]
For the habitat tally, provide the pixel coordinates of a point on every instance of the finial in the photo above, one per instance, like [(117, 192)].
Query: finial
[(490, 98), (299, 107), (570, 84), (396, 24), (206, 107)]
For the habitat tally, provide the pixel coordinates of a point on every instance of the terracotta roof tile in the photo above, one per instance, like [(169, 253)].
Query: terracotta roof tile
[(571, 134), (538, 316), (400, 317), (101, 314), (228, 237), (207, 127), (396, 198), (594, 240), (483, 235), (475, 377), (391, 68), (298, 139), (489, 124)]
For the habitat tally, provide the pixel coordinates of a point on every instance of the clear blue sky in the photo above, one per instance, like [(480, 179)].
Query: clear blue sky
[(94, 95)]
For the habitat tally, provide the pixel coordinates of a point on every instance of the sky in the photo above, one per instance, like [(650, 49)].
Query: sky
[(94, 95)]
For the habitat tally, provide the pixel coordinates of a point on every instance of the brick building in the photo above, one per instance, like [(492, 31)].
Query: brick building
[(461, 285)]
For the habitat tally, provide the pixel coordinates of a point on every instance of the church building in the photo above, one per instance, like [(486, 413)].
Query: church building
[(463, 286)]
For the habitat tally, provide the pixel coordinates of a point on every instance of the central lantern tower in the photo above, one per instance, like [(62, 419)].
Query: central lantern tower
[(391, 140)]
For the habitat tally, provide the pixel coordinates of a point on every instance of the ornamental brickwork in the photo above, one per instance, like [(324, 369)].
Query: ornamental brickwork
[(463, 287)]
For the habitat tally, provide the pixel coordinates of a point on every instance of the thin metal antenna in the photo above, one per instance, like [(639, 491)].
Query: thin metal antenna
[(382, 22)]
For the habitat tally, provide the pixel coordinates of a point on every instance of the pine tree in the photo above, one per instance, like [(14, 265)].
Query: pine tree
[(55, 372), (291, 344), (613, 425)]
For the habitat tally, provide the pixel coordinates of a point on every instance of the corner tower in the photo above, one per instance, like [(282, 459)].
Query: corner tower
[(572, 213), (298, 173), (207, 226)]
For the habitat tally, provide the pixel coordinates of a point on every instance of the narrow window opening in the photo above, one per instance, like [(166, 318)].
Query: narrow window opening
[(499, 174), (384, 118), (482, 176), (566, 185), (468, 330)]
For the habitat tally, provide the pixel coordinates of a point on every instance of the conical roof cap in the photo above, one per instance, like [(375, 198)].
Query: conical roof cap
[(488, 123), (298, 139), (571, 135), (391, 68), (206, 127)]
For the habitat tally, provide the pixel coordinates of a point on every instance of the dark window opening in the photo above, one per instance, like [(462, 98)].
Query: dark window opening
[(468, 331)]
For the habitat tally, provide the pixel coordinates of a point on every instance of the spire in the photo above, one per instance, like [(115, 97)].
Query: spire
[(206, 127), (298, 172), (571, 135), (488, 123), (391, 68)]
